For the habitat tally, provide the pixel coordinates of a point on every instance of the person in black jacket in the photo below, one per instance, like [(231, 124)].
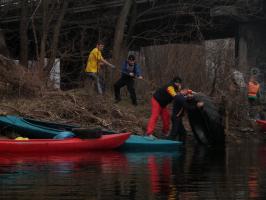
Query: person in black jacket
[(130, 70), (183, 101), (161, 98)]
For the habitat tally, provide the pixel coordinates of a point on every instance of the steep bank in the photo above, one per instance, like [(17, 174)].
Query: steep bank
[(79, 107), (91, 110)]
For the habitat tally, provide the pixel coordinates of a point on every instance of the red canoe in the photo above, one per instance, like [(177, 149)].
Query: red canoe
[(262, 124), (106, 142)]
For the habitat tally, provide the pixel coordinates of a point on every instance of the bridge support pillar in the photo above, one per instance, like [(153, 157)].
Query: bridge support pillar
[(251, 47), (251, 52)]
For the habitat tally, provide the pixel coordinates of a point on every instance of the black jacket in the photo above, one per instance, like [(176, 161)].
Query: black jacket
[(162, 96)]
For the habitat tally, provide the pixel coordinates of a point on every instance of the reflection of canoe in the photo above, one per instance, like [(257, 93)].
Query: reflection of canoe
[(143, 157), (99, 161), (71, 157), (142, 143), (262, 124), (106, 142)]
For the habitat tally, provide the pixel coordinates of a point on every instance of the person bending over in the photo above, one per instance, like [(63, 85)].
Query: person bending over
[(160, 99)]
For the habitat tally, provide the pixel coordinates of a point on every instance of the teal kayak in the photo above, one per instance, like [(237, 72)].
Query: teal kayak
[(36, 129), (144, 143)]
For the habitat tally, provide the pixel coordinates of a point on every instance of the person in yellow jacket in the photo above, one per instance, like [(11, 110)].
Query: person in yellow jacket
[(95, 60), (253, 93)]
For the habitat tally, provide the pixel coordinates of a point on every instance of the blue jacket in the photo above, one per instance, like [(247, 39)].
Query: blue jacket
[(125, 69)]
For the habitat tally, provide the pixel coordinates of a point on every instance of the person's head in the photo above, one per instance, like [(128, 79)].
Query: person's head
[(100, 45), (253, 78), (177, 81), (131, 59), (189, 94)]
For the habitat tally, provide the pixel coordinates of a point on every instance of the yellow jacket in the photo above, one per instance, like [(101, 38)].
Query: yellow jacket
[(94, 60)]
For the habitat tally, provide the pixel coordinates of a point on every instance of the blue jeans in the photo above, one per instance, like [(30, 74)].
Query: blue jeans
[(95, 77)]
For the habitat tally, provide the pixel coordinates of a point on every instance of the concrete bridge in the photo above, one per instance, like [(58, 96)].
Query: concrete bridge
[(152, 22)]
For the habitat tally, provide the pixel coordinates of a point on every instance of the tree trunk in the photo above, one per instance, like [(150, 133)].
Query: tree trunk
[(120, 29), (56, 32), (133, 19), (45, 25), (3, 48), (23, 32)]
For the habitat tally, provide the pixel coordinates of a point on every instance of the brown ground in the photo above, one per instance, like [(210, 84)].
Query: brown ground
[(91, 110), (79, 107)]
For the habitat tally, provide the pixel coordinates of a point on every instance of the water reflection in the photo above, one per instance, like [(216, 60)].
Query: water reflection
[(99, 175), (153, 170), (195, 173)]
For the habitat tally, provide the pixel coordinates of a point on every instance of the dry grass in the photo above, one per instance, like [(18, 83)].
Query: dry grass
[(80, 107), (15, 80)]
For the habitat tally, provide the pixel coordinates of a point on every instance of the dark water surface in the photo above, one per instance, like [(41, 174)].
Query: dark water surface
[(238, 172)]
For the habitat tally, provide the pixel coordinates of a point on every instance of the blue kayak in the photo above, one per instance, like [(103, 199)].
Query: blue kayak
[(144, 143)]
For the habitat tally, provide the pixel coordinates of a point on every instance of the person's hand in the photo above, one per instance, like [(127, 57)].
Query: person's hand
[(112, 66), (131, 74), (190, 96), (200, 104), (140, 77)]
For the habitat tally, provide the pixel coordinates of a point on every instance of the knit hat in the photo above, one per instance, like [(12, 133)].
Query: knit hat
[(131, 57), (177, 79)]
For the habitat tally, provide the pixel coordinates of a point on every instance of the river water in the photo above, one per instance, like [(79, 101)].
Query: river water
[(192, 173)]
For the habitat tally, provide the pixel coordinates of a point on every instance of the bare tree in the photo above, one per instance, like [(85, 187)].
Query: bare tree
[(3, 48), (56, 34), (120, 29), (48, 12), (23, 29)]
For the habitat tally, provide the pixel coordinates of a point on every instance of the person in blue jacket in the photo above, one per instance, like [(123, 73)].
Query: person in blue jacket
[(130, 70)]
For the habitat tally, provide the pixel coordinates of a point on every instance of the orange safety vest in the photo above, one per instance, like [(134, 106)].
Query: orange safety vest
[(253, 88)]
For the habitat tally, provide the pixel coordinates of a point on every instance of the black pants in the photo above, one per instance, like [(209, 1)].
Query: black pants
[(129, 82), (178, 131), (253, 108)]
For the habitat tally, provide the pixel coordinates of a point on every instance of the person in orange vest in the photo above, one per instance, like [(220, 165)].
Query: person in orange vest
[(253, 94)]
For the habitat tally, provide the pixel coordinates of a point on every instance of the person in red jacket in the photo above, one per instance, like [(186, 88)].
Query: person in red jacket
[(160, 99)]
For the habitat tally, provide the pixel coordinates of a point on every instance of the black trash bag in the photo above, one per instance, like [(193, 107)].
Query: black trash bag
[(206, 123), (86, 133)]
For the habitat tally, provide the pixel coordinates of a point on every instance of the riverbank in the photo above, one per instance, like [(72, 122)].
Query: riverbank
[(79, 107), (91, 110)]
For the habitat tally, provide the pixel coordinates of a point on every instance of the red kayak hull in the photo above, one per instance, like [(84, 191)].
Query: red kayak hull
[(262, 124), (106, 142)]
